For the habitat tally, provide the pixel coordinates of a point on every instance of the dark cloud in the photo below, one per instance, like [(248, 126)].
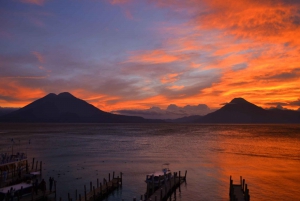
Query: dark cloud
[(277, 103), (280, 105), (240, 66), (293, 74), (238, 83), (295, 103)]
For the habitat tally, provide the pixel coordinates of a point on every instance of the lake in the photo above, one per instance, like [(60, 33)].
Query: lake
[(267, 156)]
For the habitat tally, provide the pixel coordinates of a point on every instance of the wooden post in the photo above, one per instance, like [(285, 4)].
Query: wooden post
[(246, 192), (32, 163), (152, 190), (90, 186), (179, 185), (101, 189), (121, 178), (94, 193), (76, 194), (175, 179), (243, 185), (36, 165), (108, 177), (230, 185), (170, 185), (79, 197), (68, 196), (32, 192), (85, 193), (148, 189), (26, 166), (59, 198), (97, 183), (165, 189), (55, 190), (185, 175), (41, 168)]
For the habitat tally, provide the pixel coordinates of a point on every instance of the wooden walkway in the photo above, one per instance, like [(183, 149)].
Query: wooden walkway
[(239, 192), (100, 191), (39, 196), (166, 189)]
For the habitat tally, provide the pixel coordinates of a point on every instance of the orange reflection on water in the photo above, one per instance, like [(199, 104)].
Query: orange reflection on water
[(270, 166)]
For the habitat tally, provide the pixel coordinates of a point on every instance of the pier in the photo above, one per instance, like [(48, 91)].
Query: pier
[(100, 191), (239, 192), (19, 179), (165, 190)]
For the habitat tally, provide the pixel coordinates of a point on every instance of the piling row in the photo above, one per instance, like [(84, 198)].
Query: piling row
[(100, 191), (239, 192)]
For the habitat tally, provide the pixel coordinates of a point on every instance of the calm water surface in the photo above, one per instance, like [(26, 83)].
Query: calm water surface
[(267, 156)]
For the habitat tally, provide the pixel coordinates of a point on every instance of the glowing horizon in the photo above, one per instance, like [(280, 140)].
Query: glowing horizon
[(130, 54)]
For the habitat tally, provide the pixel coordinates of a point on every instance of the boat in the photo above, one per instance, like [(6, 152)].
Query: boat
[(159, 177)]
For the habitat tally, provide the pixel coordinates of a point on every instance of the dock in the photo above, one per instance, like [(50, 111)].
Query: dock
[(165, 190), (20, 176), (100, 191), (239, 192)]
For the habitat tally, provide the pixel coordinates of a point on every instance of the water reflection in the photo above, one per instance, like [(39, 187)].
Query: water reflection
[(267, 156)]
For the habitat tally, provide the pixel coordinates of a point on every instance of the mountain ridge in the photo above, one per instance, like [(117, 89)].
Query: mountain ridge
[(240, 110), (66, 108)]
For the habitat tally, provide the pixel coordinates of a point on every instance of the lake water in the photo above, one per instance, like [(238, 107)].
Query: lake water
[(267, 156)]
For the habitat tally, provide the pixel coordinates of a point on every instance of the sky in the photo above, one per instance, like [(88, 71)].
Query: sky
[(144, 56)]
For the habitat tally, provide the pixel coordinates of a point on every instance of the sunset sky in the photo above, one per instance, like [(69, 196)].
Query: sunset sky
[(138, 54)]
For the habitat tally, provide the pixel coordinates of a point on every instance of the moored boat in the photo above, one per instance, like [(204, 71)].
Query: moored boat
[(158, 177)]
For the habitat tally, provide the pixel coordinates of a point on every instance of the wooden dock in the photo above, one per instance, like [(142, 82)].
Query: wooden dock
[(100, 191), (165, 190), (20, 177), (239, 192), (49, 196)]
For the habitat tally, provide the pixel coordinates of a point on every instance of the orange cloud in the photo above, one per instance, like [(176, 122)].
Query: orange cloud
[(263, 36), (172, 77), (14, 94), (265, 21), (114, 2), (175, 87), (39, 56)]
